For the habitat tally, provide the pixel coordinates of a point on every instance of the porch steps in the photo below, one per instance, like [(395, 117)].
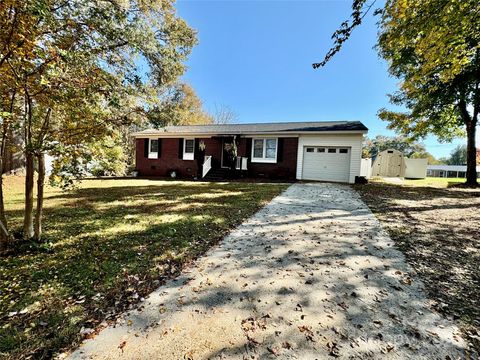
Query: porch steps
[(216, 174)]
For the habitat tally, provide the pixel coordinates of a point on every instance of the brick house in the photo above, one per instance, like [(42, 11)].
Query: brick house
[(326, 151)]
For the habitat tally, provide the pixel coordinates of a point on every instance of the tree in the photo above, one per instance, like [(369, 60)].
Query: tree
[(433, 47), (179, 106), (108, 157), (409, 148), (431, 160), (223, 114), (73, 65), (458, 156), (406, 146), (6, 120)]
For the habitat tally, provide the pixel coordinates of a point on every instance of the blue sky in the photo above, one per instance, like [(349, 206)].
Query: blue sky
[(256, 56)]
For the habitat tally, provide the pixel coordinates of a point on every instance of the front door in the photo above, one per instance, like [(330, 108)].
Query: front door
[(226, 143)]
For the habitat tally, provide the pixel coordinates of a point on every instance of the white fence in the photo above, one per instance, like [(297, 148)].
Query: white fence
[(366, 168)]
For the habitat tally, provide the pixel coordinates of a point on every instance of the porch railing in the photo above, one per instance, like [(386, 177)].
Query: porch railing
[(207, 165), (241, 163)]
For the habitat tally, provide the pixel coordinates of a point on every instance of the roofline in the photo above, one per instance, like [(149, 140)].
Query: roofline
[(160, 134)]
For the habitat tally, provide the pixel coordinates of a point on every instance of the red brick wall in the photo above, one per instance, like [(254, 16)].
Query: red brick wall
[(284, 169), (169, 160)]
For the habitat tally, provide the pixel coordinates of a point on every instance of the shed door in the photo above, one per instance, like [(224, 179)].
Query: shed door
[(394, 164), (326, 163)]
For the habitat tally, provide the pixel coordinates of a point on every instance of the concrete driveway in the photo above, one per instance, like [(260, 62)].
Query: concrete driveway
[(310, 276)]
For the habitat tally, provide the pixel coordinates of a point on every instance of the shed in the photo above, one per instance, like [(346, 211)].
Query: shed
[(389, 163)]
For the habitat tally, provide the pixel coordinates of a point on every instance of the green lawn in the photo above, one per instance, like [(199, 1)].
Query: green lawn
[(435, 182), (110, 242), (429, 181)]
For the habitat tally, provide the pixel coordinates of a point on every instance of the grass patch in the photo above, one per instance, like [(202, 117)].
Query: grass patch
[(434, 182), (109, 243), (437, 230)]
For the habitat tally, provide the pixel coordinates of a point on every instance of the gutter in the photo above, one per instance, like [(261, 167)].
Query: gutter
[(245, 134)]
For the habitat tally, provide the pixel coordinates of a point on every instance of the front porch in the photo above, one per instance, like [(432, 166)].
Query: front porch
[(222, 157)]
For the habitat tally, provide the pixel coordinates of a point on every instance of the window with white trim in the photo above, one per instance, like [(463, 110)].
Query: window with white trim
[(188, 149), (264, 150), (152, 148)]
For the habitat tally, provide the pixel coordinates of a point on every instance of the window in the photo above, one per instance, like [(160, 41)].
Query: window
[(332, 151), (271, 148), (321, 150), (188, 149), (343, 151), (264, 150), (153, 148), (258, 148), (153, 145), (310, 149)]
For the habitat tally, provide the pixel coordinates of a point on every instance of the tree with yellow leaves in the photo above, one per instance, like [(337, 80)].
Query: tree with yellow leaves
[(433, 47), (71, 74)]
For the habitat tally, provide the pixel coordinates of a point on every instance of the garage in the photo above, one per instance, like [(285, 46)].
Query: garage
[(326, 163)]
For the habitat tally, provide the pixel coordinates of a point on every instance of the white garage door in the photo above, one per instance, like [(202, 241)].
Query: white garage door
[(326, 163)]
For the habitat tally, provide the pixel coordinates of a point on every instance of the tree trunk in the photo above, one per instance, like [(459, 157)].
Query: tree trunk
[(471, 156), (6, 135), (4, 236), (40, 187), (29, 183), (471, 125)]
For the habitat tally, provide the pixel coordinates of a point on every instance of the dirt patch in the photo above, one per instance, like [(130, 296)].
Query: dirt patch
[(437, 229)]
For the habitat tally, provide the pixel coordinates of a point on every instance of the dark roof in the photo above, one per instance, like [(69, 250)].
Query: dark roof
[(292, 127)]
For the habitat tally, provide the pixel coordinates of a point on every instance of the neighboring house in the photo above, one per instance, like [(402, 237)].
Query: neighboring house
[(326, 151), (449, 171)]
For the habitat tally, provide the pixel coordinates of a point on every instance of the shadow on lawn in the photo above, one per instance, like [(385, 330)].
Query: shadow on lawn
[(110, 246), (438, 231), (247, 273)]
